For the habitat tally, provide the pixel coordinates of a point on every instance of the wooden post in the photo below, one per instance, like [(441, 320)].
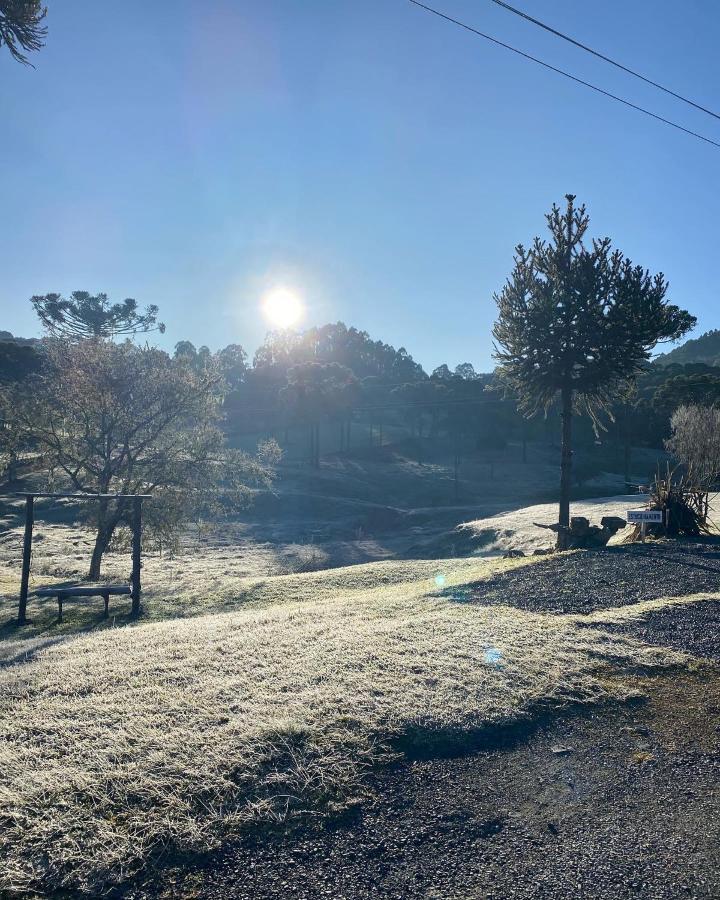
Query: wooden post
[(27, 553), (136, 547)]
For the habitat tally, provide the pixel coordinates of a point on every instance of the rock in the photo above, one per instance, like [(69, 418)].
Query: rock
[(613, 523), (579, 526), (513, 554)]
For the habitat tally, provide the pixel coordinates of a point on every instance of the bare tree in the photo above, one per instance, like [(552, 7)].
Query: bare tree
[(122, 419), (695, 442)]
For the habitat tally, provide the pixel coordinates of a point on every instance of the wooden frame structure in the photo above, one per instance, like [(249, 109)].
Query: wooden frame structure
[(30, 497)]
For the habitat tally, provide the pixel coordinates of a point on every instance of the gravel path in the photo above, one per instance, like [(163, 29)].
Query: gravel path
[(597, 579), (617, 804)]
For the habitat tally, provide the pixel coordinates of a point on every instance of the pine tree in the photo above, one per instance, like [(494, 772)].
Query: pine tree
[(576, 325)]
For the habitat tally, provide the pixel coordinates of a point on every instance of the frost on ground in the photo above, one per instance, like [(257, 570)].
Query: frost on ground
[(126, 743), (516, 530)]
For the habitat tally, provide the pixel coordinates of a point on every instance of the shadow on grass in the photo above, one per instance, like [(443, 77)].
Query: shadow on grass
[(418, 743), (43, 629)]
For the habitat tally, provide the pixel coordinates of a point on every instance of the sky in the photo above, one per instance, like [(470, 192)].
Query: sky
[(374, 160)]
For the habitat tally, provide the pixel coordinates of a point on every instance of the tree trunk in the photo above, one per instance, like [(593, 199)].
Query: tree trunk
[(565, 465), (627, 447), (106, 527)]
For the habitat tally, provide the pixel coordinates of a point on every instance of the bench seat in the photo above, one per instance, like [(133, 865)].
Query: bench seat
[(83, 590)]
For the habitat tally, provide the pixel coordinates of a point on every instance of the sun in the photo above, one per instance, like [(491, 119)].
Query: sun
[(282, 308)]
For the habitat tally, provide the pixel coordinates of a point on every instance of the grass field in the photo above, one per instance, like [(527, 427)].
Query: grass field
[(126, 744)]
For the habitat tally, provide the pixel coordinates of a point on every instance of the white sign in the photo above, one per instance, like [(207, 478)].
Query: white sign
[(645, 515)]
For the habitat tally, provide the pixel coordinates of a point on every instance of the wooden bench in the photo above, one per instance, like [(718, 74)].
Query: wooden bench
[(94, 590)]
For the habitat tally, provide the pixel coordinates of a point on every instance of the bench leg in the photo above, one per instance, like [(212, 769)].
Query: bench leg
[(106, 598), (60, 608)]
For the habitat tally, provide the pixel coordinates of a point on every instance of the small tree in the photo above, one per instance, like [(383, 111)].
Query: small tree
[(21, 27), (695, 442), (93, 316), (123, 419), (577, 324)]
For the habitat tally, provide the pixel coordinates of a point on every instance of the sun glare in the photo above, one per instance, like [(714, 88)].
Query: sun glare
[(283, 308)]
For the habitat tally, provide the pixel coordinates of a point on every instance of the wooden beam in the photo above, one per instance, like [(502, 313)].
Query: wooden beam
[(77, 496), (27, 553)]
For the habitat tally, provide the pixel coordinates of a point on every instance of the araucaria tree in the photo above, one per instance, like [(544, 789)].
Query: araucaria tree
[(21, 27), (121, 419), (576, 324), (86, 315)]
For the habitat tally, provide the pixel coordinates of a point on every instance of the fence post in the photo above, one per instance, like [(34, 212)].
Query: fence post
[(27, 553), (136, 548)]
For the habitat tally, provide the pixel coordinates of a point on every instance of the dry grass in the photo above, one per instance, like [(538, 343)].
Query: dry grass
[(124, 743)]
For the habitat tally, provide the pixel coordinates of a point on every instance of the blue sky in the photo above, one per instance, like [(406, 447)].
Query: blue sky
[(379, 161)]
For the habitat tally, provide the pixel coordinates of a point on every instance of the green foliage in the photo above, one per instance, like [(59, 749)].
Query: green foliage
[(21, 27), (578, 318), (88, 316), (18, 361), (698, 390), (336, 343)]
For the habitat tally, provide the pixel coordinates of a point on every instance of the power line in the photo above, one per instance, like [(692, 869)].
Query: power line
[(574, 78), (571, 40)]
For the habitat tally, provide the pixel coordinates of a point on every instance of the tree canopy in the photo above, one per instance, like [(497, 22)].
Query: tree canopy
[(21, 27), (86, 315), (336, 343), (579, 318)]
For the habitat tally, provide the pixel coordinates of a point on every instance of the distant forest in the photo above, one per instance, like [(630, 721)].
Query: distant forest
[(337, 377)]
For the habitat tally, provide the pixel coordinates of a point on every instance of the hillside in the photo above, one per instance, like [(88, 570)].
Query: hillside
[(704, 349)]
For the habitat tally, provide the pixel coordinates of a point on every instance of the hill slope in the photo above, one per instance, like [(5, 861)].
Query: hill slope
[(191, 729), (704, 349)]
